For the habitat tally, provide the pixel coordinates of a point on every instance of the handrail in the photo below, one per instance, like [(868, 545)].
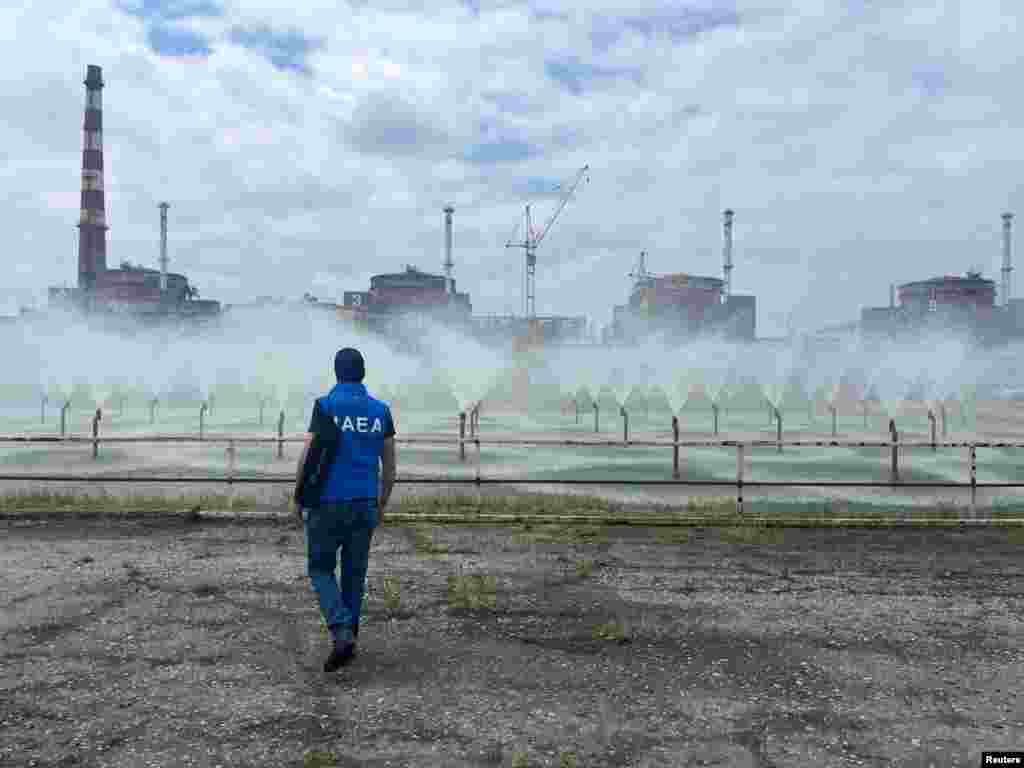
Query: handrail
[(226, 439)]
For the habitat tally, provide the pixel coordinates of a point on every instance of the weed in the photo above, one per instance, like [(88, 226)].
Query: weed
[(392, 594), (473, 591), (424, 544), (318, 759), (612, 630), (672, 535), (567, 760), (584, 568), (751, 534), (520, 760), (1015, 536)]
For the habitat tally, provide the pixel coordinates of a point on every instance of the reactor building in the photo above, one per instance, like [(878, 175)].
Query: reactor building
[(961, 303), (680, 306)]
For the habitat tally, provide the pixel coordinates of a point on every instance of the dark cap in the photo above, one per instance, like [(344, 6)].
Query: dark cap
[(349, 365)]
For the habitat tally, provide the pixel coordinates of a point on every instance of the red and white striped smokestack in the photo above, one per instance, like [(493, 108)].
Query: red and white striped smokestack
[(92, 224), (727, 215)]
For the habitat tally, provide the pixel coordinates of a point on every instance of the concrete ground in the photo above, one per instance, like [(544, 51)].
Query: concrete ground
[(157, 642)]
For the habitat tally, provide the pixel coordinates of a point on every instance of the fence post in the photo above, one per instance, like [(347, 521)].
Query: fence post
[(714, 411), (280, 436), (974, 480), (675, 448), (942, 412), (462, 436), (778, 434), (202, 416), (895, 471), (597, 426), (42, 410), (931, 419), (64, 417), (96, 433), (625, 425), (739, 478), (479, 491), (231, 474)]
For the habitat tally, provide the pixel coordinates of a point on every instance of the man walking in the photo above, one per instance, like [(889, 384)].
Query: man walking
[(352, 502)]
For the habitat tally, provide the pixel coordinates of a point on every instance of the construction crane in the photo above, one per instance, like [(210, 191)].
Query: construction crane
[(534, 238)]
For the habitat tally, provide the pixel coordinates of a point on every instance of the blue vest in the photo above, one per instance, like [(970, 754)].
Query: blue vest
[(363, 423)]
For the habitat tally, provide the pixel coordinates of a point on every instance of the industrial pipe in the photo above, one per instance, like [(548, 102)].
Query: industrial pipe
[(96, 433), (942, 411), (714, 411), (152, 410), (625, 424), (462, 436), (833, 409), (596, 421), (202, 417), (895, 451), (675, 448), (931, 418), (778, 420), (280, 435), (42, 409), (64, 417)]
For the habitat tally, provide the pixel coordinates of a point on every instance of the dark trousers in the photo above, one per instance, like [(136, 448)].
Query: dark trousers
[(346, 528)]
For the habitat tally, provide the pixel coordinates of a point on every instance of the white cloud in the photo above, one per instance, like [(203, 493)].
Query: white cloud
[(809, 119)]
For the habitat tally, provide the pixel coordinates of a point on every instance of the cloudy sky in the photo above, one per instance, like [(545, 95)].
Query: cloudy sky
[(304, 146)]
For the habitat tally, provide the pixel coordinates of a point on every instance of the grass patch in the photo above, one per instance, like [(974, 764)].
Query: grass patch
[(584, 568), (751, 534), (424, 544), (319, 759), (473, 591), (611, 631), (392, 594), (515, 505), (561, 534), (22, 502), (520, 760), (567, 760), (672, 535), (1015, 536)]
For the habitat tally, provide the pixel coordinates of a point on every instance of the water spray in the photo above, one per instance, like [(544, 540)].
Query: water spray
[(462, 436), (64, 417), (576, 404), (152, 411), (96, 433), (931, 418), (210, 401), (42, 409), (202, 417), (625, 424), (675, 448)]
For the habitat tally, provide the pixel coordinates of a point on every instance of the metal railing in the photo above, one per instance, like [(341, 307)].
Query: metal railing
[(478, 479)]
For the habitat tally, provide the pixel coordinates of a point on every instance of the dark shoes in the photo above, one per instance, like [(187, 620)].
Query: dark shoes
[(340, 656), (343, 653)]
